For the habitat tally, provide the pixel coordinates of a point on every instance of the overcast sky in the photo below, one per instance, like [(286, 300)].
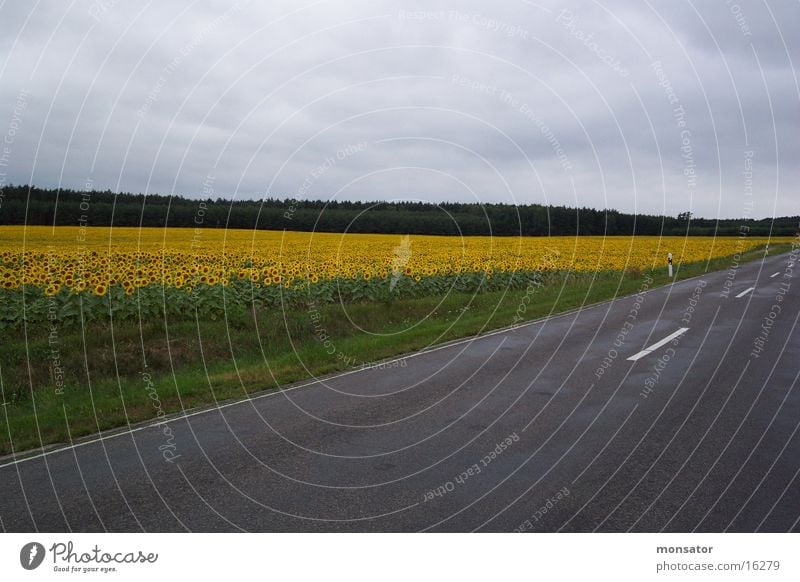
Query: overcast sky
[(644, 107)]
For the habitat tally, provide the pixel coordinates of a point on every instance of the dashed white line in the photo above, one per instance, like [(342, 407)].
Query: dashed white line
[(658, 344), (774, 275), (745, 292)]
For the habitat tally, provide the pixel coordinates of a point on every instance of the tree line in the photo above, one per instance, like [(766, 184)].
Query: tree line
[(37, 206)]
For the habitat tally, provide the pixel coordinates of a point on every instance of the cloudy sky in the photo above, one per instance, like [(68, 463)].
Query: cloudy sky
[(640, 106)]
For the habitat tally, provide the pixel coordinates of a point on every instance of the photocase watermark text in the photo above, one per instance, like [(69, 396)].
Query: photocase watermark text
[(548, 505), (569, 21), (473, 470), (474, 18)]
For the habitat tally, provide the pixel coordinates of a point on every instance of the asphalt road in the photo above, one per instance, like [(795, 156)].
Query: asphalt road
[(517, 430)]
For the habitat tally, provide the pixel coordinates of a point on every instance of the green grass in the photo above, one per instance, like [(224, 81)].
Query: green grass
[(192, 363)]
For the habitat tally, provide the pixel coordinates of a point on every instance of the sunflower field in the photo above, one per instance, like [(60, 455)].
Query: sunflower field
[(72, 274)]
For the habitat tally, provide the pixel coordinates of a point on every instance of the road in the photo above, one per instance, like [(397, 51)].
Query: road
[(676, 409)]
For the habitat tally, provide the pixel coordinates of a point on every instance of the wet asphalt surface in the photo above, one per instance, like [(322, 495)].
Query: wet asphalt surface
[(546, 427)]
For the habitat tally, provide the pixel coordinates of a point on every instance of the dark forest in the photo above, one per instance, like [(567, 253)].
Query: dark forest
[(36, 206)]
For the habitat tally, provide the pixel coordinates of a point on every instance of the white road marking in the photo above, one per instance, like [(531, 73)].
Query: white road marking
[(774, 275), (657, 345), (745, 292)]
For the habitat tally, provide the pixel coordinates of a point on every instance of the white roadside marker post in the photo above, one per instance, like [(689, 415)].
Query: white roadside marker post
[(669, 265)]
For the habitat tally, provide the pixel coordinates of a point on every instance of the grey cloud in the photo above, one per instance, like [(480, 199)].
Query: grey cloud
[(563, 103)]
